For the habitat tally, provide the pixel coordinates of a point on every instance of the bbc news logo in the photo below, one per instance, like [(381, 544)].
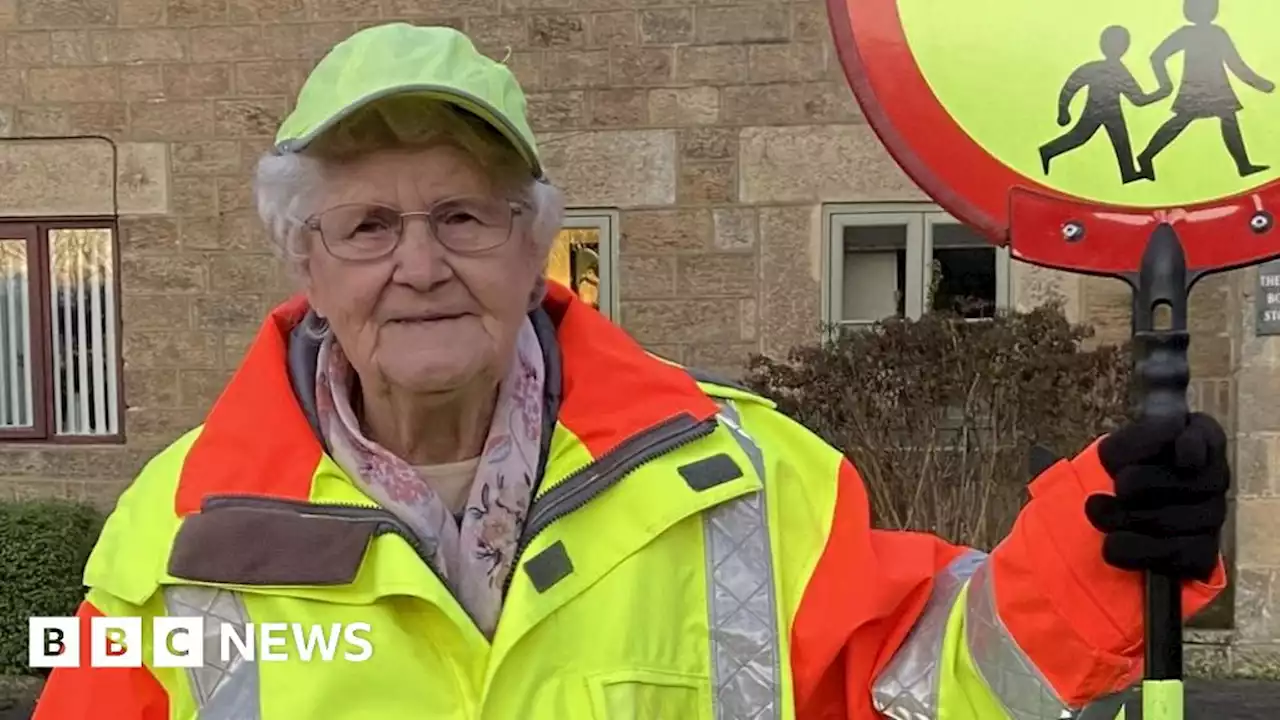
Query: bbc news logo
[(55, 642)]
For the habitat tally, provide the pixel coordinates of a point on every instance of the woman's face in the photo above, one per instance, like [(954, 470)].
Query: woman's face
[(424, 319)]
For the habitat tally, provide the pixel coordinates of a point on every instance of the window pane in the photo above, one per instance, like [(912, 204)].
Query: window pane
[(964, 270), (875, 272), (83, 331), (16, 410), (575, 262)]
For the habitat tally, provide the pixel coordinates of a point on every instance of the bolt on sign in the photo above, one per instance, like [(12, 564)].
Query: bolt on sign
[(1133, 139)]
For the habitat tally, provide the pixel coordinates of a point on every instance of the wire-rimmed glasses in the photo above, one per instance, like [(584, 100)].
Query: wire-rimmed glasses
[(369, 231)]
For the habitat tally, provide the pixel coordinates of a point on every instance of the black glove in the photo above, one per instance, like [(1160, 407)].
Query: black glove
[(1170, 499)]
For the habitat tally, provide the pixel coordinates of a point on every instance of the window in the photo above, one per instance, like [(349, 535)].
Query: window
[(59, 332), (876, 268), (583, 257)]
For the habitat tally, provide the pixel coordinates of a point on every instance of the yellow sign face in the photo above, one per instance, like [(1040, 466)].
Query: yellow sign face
[(1148, 103)]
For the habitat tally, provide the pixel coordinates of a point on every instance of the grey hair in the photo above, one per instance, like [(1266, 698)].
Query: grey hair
[(287, 186)]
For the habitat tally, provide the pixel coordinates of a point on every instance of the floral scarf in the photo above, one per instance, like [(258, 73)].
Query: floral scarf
[(473, 557)]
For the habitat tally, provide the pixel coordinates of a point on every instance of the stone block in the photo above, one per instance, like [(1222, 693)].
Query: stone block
[(739, 24), (646, 277), (792, 62), (156, 312), (12, 84), (666, 26), (706, 182), (193, 196), (835, 163), (268, 11), (242, 272), (1256, 662), (1255, 607), (248, 118), (194, 12), (142, 180), (151, 387), (63, 13), (206, 157), (200, 388), (623, 168), (572, 69), (791, 103), (227, 312), (1257, 542), (676, 107), (708, 143), (557, 110), (142, 82), (716, 274), (1034, 286), (148, 236), (55, 177), (72, 119), (303, 41), (608, 29), (682, 321), (1107, 306), (719, 64), (1256, 404), (28, 49), (735, 228), (167, 274), (790, 291), (140, 45), (1257, 464), (235, 194), (726, 360), (625, 107), (95, 84), (170, 349), (196, 82), (665, 231), (143, 12), (631, 65), (557, 30), (499, 30), (70, 47), (170, 119)]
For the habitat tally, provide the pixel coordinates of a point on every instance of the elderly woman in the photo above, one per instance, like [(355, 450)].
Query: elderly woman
[(534, 518)]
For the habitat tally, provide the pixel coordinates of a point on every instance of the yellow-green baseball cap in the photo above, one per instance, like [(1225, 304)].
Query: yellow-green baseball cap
[(399, 58)]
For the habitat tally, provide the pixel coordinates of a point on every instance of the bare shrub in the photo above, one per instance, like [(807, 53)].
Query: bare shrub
[(939, 414)]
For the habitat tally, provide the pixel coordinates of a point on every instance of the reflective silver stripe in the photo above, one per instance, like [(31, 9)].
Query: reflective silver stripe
[(742, 608), (1012, 677), (907, 688), (222, 692)]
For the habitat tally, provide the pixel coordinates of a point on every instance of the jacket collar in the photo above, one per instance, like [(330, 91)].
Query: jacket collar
[(259, 437)]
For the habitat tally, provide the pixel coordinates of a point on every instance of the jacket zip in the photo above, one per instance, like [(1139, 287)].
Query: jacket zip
[(568, 496)]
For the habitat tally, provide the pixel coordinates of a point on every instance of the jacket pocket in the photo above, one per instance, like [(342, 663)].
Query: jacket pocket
[(649, 695)]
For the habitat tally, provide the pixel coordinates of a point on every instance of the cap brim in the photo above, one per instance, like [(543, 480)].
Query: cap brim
[(466, 101)]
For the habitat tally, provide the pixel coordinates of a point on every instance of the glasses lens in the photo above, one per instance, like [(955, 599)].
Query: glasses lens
[(360, 231), (472, 224)]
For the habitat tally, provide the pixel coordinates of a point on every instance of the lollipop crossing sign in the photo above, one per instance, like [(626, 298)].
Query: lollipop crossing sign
[(1133, 139)]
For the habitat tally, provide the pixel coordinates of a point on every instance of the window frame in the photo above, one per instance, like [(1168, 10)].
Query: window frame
[(604, 221), (36, 234), (919, 219)]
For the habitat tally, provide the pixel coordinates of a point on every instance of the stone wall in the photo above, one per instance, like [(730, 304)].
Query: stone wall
[(717, 129)]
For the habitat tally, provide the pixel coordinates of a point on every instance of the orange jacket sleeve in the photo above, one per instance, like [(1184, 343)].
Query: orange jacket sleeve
[(1078, 620), (89, 693)]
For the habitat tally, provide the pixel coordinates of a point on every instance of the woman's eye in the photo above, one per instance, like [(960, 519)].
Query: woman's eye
[(371, 225), (458, 217)]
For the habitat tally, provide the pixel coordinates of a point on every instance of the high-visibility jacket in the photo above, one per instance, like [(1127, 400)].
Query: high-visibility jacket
[(691, 554)]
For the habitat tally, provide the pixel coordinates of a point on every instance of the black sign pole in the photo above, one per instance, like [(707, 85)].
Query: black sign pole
[(1163, 375)]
